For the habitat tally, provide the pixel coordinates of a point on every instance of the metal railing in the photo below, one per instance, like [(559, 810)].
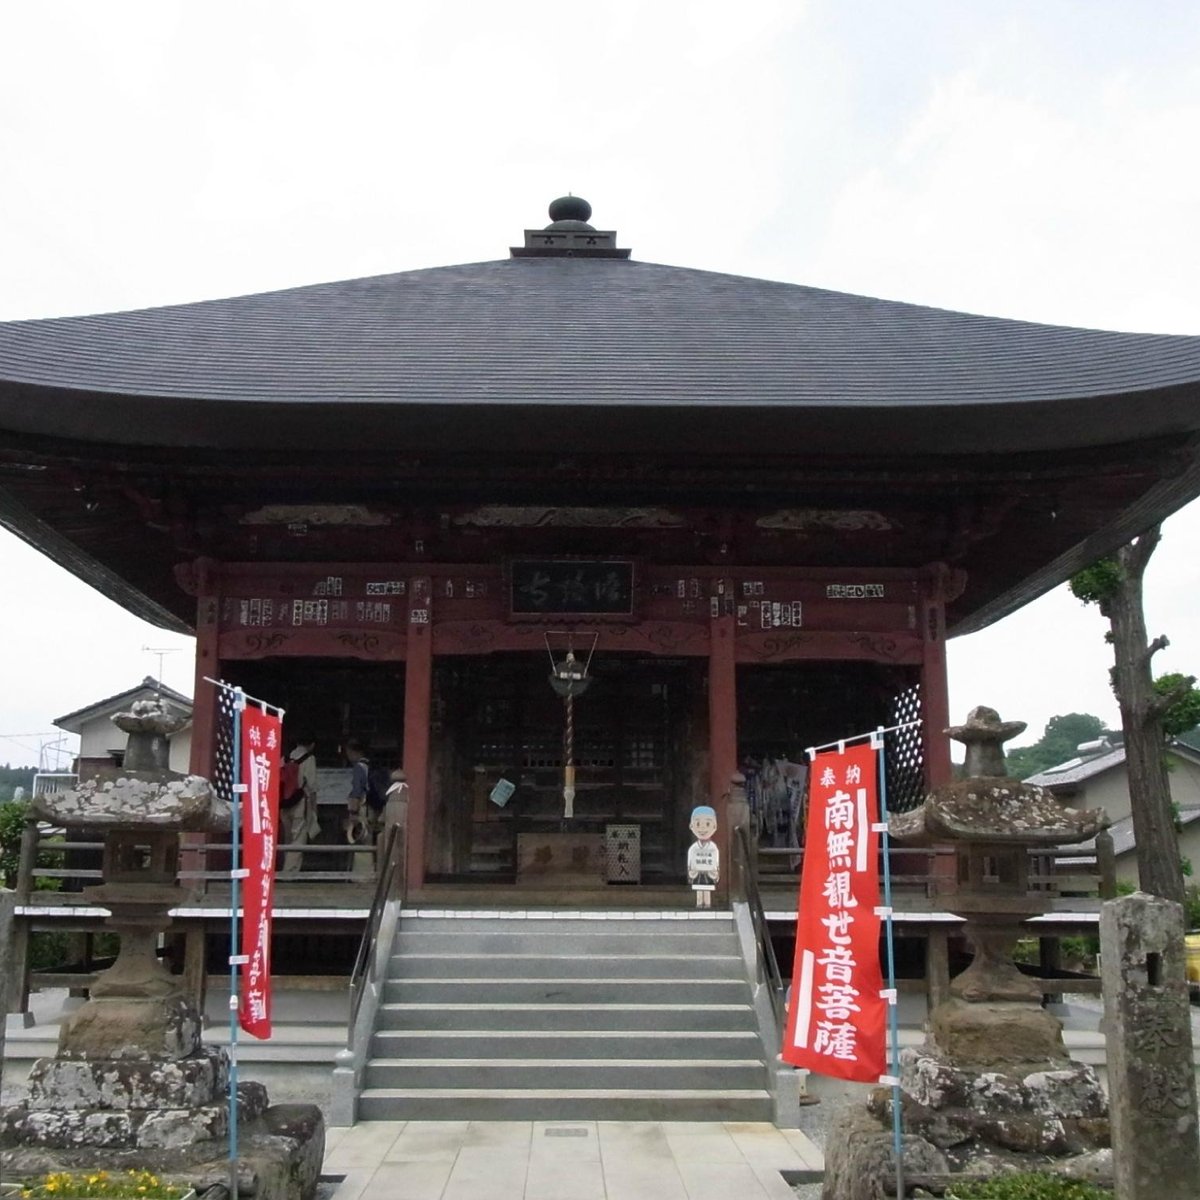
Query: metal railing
[(745, 884), (388, 887)]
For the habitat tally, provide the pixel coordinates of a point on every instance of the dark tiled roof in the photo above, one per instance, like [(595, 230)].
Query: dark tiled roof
[(1076, 770), (1190, 739), (1123, 837), (143, 690), (566, 331)]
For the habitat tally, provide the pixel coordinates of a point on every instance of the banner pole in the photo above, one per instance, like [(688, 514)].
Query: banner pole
[(893, 997), (236, 791)]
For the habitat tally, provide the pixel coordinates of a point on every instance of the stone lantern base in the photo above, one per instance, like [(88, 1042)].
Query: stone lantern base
[(999, 1113), (279, 1155)]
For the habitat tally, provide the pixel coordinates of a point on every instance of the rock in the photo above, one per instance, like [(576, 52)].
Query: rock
[(129, 1083), (252, 1099), (1096, 1167), (1071, 1091), (279, 1157), (302, 1127), (1025, 1135), (859, 1158), (1089, 1133)]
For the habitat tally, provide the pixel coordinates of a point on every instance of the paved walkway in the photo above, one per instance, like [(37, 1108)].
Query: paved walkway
[(566, 1160)]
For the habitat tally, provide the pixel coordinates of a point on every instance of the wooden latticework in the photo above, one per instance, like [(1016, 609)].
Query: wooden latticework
[(905, 756), (222, 768)]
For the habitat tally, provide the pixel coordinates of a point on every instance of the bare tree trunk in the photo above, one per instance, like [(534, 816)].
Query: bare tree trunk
[(1159, 869)]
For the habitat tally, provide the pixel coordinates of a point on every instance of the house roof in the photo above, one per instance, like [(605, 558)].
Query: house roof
[(1122, 836), (1078, 770), (72, 722), (593, 334)]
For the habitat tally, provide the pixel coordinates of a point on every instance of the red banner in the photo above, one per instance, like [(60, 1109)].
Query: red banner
[(260, 819), (837, 1018)]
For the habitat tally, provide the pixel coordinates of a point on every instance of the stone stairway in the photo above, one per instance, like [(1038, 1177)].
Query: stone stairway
[(542, 1018)]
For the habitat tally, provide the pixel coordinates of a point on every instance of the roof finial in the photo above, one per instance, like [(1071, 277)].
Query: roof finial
[(569, 234), (570, 208)]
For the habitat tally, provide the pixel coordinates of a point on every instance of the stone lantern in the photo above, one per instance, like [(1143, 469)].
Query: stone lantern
[(140, 814), (992, 821), (132, 1080), (992, 1088)]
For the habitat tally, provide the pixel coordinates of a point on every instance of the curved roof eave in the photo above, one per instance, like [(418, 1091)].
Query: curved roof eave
[(576, 333)]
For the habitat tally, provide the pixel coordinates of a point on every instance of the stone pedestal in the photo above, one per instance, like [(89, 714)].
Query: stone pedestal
[(995, 1033)]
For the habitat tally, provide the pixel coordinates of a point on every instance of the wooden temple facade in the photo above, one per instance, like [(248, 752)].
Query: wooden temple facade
[(380, 503)]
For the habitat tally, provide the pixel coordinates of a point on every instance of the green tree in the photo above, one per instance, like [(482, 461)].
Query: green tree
[(1114, 585), (12, 778), (1060, 741)]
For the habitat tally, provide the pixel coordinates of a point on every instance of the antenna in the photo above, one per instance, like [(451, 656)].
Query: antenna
[(162, 652), (47, 749)]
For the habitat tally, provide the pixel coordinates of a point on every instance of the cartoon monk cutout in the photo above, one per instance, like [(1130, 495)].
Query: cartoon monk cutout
[(703, 859)]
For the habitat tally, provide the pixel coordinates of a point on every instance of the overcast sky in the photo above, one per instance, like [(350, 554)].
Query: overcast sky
[(1030, 160)]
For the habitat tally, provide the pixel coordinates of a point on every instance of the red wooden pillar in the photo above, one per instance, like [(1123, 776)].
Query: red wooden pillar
[(418, 692), (942, 586), (204, 695), (935, 696), (722, 729), (200, 579)]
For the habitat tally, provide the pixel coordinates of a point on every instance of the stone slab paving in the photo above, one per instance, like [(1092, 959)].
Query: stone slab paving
[(566, 1160)]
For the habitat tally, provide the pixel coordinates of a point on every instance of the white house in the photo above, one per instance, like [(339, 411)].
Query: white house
[(1099, 778)]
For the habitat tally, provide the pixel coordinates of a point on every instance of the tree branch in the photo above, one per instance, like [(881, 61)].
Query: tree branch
[(1159, 643), (1160, 704), (1137, 554)]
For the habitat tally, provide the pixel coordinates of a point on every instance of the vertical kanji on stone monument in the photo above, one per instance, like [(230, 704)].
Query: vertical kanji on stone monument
[(1151, 1077)]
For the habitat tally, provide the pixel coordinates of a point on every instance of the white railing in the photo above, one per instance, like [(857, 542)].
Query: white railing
[(47, 783)]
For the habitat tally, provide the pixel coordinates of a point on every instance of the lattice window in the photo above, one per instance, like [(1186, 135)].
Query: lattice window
[(905, 756), (222, 779)]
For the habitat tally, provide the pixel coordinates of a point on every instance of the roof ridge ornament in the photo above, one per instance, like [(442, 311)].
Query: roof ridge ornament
[(569, 235)]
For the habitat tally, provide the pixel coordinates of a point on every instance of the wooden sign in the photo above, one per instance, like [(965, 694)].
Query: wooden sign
[(571, 587)]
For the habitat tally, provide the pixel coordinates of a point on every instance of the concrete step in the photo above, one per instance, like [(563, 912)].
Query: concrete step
[(622, 922), (571, 1073), (504, 1043), (571, 1104), (566, 991), (569, 937), (541, 965), (632, 1017)]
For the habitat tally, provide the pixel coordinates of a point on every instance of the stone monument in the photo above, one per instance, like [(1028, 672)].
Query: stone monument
[(1148, 1026), (992, 1088), (132, 1083)]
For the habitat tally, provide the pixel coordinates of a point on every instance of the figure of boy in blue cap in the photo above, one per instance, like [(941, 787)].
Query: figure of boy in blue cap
[(704, 859)]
